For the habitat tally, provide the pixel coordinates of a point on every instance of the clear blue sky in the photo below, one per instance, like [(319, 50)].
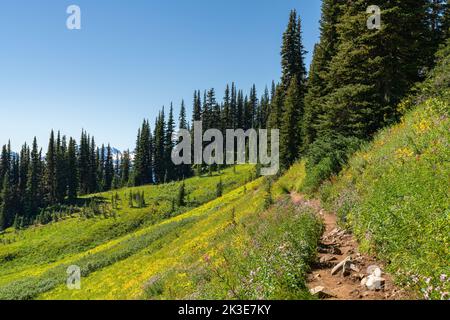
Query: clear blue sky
[(130, 59)]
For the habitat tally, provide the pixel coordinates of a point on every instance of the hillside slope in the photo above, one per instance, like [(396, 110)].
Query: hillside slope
[(229, 248), (394, 196), (35, 259)]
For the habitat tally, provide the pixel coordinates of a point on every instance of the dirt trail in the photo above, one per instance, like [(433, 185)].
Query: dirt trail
[(336, 246)]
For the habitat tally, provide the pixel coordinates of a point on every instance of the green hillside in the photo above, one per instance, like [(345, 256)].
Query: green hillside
[(35, 259), (207, 252), (394, 192)]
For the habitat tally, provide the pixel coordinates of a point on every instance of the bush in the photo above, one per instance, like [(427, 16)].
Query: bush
[(325, 157)]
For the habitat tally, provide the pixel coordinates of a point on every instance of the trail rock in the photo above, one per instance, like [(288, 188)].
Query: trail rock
[(343, 265), (322, 293), (374, 270), (353, 267), (373, 283)]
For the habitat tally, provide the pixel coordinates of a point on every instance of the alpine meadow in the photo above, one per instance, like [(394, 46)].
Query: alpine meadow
[(358, 210)]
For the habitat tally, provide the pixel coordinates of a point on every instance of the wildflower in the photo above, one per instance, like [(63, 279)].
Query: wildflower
[(404, 153), (443, 277)]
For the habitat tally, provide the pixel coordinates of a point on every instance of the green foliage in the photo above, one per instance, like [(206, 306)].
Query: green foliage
[(394, 196), (326, 156), (271, 262)]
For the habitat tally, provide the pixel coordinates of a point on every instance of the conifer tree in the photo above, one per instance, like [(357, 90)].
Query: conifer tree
[(33, 196), (292, 53), (289, 132), (159, 148), (169, 145), (125, 168), (109, 169), (50, 170), (72, 171), (6, 196), (373, 69)]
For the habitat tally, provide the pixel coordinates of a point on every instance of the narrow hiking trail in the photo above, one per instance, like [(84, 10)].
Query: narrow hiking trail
[(340, 267)]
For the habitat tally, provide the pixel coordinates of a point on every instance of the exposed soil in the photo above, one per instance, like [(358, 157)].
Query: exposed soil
[(336, 246)]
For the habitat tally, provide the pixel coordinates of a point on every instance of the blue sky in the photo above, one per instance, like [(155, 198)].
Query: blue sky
[(130, 59)]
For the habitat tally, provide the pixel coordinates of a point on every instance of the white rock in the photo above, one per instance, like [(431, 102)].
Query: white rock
[(373, 283)]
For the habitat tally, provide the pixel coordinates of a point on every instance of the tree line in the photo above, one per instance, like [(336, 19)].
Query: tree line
[(355, 82)]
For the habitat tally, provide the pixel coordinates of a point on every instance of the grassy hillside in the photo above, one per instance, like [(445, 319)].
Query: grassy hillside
[(394, 195), (228, 248), (233, 247), (31, 260)]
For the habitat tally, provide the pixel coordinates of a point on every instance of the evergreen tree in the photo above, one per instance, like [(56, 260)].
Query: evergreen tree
[(159, 148), (289, 132), (182, 118), (72, 171), (292, 52), (50, 171), (373, 69), (125, 168), (168, 146), (197, 107), (61, 168), (83, 163), (33, 196), (109, 169), (6, 196), (324, 51)]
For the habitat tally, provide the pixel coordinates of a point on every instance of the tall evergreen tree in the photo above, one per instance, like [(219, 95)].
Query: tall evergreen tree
[(373, 69), (125, 168), (109, 169), (289, 132), (6, 203), (292, 52), (50, 170), (72, 171), (33, 197), (169, 145), (159, 148)]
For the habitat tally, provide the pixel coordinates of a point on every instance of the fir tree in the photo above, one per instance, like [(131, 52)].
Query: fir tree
[(289, 132), (72, 171), (50, 171)]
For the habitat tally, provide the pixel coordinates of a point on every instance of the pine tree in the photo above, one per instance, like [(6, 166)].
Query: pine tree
[(61, 168), (5, 160), (182, 118), (324, 51), (233, 108), (168, 146), (23, 170), (93, 160), (252, 108), (289, 132), (6, 195), (83, 163), (227, 120), (50, 171), (373, 69), (159, 148), (125, 168), (33, 196), (109, 169), (292, 53), (72, 171)]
